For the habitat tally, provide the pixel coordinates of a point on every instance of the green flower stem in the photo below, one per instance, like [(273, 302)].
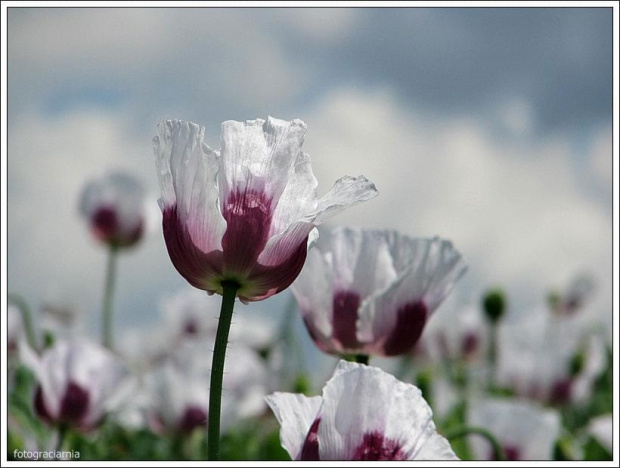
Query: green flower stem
[(217, 369), (492, 357), (362, 359), (31, 336), (62, 435), (497, 448), (108, 294)]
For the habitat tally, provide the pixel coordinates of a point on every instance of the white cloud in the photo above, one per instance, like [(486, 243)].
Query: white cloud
[(51, 252), (515, 211), (194, 58), (513, 208), (601, 157)]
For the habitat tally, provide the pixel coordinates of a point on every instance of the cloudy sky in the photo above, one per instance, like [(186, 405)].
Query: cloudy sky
[(489, 127)]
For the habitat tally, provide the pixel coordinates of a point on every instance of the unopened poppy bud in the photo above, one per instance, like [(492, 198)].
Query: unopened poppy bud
[(494, 304)]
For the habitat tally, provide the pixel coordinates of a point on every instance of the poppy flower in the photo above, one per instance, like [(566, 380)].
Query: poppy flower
[(372, 292), (524, 430), (243, 214), (363, 414), (78, 383), (115, 209)]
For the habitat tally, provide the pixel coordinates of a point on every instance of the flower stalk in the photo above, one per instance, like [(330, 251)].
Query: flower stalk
[(229, 294), (108, 294)]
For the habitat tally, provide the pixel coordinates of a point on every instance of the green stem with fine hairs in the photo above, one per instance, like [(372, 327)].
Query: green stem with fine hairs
[(497, 448), (108, 294), (217, 369)]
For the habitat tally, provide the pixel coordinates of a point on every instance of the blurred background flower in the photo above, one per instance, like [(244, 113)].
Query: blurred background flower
[(525, 431), (370, 292), (115, 209)]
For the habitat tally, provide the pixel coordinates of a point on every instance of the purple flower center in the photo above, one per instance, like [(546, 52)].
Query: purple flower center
[(410, 321), (74, 404), (106, 228), (344, 319), (469, 345), (190, 328), (192, 418), (105, 223), (511, 452), (376, 447), (310, 450), (561, 391), (40, 406), (248, 217)]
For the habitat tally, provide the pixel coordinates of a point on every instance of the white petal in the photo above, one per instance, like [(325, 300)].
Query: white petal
[(296, 413), (298, 198), (100, 373), (347, 192), (602, 429), (188, 171), (520, 424), (259, 155), (362, 260), (361, 399), (55, 376), (427, 269), (314, 293)]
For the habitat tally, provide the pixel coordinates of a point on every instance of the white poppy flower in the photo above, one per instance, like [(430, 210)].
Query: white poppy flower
[(548, 357), (363, 414), (244, 213), (372, 292), (114, 206), (78, 383), (456, 332), (179, 388), (525, 430)]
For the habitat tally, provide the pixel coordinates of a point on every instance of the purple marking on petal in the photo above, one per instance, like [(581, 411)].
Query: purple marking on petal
[(318, 339), (344, 319), (376, 447), (105, 223), (269, 280), (40, 406), (192, 418), (511, 453), (410, 321), (248, 218), (106, 228), (561, 391), (74, 404), (190, 328), (469, 345), (197, 267), (310, 449)]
